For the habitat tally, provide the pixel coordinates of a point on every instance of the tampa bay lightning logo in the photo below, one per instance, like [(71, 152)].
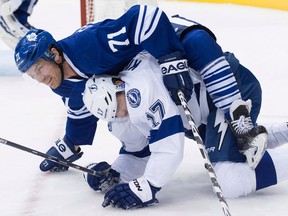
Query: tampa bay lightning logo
[(93, 88), (134, 97)]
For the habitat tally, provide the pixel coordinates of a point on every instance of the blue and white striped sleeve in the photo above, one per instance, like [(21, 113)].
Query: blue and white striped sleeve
[(206, 57), (80, 125), (220, 83)]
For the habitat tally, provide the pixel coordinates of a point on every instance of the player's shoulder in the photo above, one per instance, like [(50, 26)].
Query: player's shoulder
[(70, 87)]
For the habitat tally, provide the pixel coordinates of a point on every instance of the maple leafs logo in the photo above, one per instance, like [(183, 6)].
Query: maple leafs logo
[(32, 37)]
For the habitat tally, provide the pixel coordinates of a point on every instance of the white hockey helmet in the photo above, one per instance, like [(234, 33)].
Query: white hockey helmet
[(100, 96)]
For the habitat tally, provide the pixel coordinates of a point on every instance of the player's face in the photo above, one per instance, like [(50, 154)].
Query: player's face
[(121, 105), (46, 72)]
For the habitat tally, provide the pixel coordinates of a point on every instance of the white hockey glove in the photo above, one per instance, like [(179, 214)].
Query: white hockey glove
[(138, 193), (64, 150), (107, 178), (251, 140), (7, 7)]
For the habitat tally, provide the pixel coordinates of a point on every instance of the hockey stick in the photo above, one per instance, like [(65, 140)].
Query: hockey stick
[(51, 158), (207, 162)]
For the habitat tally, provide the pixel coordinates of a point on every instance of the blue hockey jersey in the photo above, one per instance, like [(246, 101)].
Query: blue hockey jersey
[(107, 47)]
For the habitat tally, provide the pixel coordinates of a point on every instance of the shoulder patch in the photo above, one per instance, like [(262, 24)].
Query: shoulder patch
[(134, 97)]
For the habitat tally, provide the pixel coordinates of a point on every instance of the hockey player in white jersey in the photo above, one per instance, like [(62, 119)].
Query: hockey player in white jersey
[(141, 114), (14, 20), (143, 117)]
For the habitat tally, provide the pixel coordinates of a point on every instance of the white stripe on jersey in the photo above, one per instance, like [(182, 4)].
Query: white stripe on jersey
[(225, 101), (221, 84), (214, 67), (182, 21), (74, 68), (79, 117), (30, 7), (147, 22), (77, 114)]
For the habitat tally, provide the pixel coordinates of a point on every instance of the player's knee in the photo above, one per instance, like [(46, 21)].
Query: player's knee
[(235, 179)]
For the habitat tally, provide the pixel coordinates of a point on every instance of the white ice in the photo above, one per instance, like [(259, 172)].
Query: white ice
[(35, 117)]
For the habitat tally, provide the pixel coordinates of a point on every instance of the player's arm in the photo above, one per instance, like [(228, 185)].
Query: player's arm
[(80, 130), (166, 142), (166, 155), (210, 62)]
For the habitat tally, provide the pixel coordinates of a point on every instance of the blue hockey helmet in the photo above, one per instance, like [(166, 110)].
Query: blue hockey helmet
[(34, 45)]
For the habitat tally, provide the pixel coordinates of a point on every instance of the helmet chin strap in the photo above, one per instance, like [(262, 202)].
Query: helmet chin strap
[(60, 65)]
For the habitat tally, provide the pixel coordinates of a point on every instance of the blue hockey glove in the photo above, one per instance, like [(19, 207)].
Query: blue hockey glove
[(64, 150), (138, 193), (176, 76), (104, 182)]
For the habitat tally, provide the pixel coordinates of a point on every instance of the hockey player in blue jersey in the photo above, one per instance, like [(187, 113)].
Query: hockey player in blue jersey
[(106, 47), (14, 20), (140, 114)]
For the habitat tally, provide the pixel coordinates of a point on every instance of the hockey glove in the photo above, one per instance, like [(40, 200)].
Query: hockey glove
[(107, 177), (138, 193), (176, 76), (251, 140), (64, 150)]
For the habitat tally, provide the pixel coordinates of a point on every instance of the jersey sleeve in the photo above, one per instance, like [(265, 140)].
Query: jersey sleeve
[(80, 124), (166, 145), (207, 58)]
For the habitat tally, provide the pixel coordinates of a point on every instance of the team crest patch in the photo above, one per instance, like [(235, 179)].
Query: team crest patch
[(134, 97)]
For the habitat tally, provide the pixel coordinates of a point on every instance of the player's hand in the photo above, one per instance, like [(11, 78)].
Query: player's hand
[(138, 193), (63, 150), (179, 81), (176, 76), (107, 178)]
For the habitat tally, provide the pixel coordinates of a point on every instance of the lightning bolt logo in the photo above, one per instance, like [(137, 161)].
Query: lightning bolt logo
[(134, 97), (222, 126)]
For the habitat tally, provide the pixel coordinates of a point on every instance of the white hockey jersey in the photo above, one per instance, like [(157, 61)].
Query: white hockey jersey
[(153, 121)]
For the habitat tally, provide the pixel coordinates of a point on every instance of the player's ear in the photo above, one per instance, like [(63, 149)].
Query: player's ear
[(58, 57), (117, 81)]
